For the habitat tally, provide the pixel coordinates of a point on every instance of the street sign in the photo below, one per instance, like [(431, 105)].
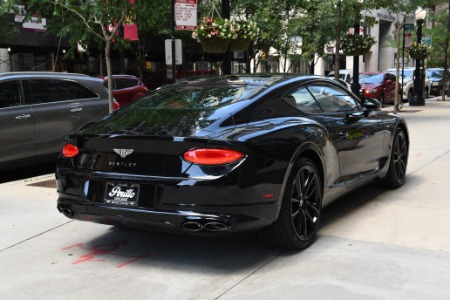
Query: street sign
[(186, 14), (409, 27), (408, 40), (426, 39), (178, 53)]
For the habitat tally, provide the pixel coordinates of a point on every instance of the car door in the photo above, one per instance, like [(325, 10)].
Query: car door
[(60, 107), (357, 137), (390, 86), (16, 124)]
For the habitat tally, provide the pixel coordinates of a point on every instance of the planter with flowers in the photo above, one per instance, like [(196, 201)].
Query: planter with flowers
[(244, 32), (419, 51), (353, 45), (214, 34)]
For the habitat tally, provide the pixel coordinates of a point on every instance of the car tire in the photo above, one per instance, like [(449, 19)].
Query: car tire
[(398, 161), (299, 217), (410, 94)]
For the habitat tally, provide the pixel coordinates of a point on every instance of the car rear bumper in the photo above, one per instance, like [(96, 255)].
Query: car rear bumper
[(221, 220)]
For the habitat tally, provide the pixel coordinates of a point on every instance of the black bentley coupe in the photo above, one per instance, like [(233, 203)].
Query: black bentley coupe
[(224, 154)]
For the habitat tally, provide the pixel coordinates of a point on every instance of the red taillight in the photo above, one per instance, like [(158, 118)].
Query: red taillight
[(116, 105), (212, 156), (69, 150)]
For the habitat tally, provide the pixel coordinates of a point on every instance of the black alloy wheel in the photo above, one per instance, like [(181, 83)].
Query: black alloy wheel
[(396, 174), (300, 212)]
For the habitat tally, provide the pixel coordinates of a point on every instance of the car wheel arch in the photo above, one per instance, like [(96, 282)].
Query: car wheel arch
[(307, 150)]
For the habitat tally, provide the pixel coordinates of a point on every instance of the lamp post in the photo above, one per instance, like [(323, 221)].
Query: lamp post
[(355, 84), (418, 99)]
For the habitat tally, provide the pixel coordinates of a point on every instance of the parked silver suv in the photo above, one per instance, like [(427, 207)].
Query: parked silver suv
[(38, 109), (408, 82)]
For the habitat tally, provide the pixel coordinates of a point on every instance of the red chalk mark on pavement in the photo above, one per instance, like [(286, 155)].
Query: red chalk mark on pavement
[(104, 249)]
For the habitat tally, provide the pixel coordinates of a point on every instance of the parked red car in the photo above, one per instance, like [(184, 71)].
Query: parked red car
[(126, 88), (378, 85)]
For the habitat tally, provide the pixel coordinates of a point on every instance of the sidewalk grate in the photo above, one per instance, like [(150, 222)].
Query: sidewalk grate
[(47, 183)]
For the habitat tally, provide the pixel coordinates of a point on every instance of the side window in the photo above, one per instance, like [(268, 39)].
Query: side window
[(125, 83), (54, 90), (303, 100), (9, 94), (332, 98), (392, 77)]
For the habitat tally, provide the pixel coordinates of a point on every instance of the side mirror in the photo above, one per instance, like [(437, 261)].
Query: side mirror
[(370, 104)]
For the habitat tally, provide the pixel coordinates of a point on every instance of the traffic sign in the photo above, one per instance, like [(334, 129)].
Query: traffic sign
[(186, 14)]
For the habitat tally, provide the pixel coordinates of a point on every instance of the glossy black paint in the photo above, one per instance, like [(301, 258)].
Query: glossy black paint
[(348, 148)]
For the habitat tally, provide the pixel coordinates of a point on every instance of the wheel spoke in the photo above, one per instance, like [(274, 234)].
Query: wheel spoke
[(305, 201)]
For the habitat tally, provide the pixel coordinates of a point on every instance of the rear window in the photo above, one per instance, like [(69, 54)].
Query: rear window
[(206, 97), (178, 107), (124, 83)]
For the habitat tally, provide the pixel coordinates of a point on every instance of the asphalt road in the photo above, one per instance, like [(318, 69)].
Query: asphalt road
[(373, 244)]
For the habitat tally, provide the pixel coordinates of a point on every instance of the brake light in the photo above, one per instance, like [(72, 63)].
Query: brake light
[(212, 156), (116, 105), (69, 150)]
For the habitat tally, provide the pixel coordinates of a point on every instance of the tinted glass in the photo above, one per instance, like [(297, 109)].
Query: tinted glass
[(180, 108), (303, 100), (9, 94), (124, 83), (332, 98), (54, 90), (371, 78)]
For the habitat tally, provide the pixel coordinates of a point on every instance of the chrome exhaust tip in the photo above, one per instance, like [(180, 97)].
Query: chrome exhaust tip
[(65, 211), (192, 226), (216, 226)]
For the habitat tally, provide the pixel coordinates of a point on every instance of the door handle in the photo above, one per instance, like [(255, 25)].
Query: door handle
[(24, 116), (76, 109)]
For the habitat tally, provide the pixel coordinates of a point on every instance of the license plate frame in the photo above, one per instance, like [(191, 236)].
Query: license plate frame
[(122, 194)]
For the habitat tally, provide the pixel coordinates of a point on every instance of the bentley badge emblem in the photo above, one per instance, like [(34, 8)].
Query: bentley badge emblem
[(123, 152)]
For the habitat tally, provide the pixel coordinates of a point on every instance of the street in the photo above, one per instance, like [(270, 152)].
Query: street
[(373, 243)]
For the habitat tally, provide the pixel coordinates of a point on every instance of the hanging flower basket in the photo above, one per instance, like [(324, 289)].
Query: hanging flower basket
[(353, 45), (240, 44), (419, 51), (214, 34), (244, 32), (214, 45)]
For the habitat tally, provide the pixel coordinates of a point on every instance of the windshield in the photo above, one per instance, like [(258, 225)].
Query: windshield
[(371, 78), (408, 73), (435, 73)]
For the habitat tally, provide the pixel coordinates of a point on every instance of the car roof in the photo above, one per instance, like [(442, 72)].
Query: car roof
[(40, 74), (246, 79)]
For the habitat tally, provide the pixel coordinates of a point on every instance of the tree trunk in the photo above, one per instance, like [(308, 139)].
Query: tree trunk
[(109, 74)]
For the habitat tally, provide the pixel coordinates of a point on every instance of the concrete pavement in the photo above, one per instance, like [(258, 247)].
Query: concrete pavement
[(373, 244)]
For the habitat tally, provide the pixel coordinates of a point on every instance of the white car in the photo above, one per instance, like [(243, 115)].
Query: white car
[(408, 83)]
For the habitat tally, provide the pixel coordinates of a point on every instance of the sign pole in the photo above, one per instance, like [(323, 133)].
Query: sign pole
[(173, 42)]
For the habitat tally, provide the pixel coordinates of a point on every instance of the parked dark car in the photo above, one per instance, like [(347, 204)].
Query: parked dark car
[(378, 85), (126, 88), (38, 109), (230, 154), (436, 77)]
